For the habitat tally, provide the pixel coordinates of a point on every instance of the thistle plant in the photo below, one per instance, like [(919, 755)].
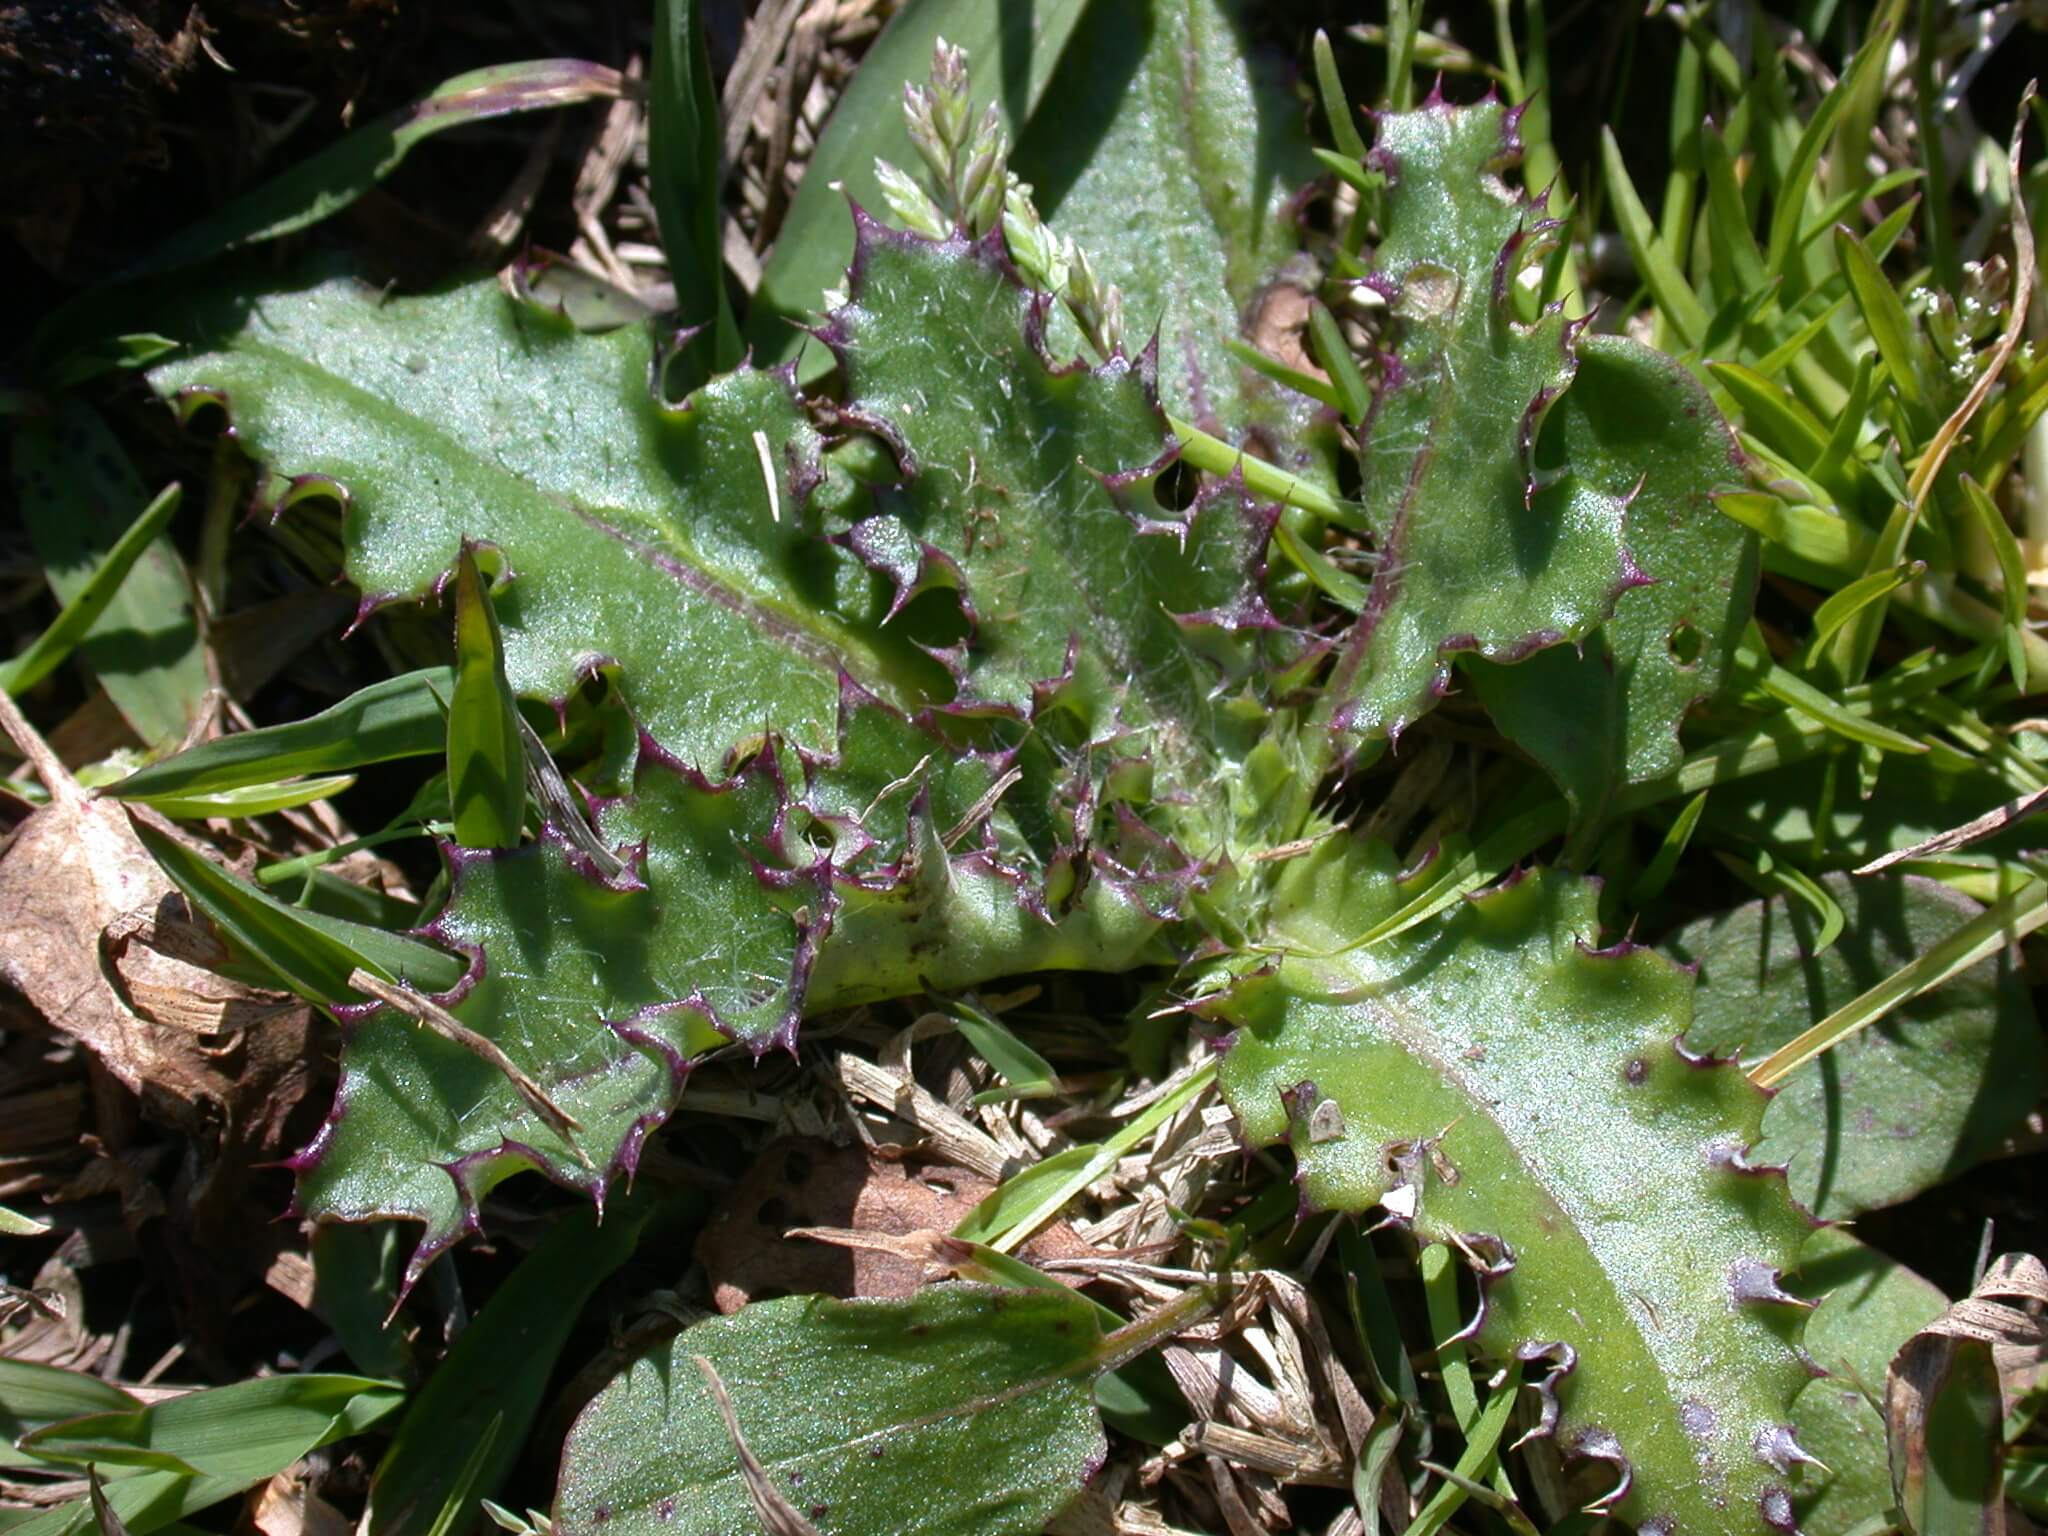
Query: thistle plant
[(777, 700)]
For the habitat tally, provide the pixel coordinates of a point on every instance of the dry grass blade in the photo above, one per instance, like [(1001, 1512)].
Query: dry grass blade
[(952, 1135), (103, 1514), (1974, 830), (778, 1516), (448, 1027)]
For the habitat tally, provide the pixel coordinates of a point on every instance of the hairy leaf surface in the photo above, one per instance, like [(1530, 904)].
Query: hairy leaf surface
[(1481, 550), (1173, 160), (1869, 1305), (964, 1411), (671, 543), (1031, 493), (1500, 1086), (1636, 426), (803, 760)]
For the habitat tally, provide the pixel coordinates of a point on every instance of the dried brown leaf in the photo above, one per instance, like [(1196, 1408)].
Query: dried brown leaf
[(287, 1506), (88, 916), (750, 1253)]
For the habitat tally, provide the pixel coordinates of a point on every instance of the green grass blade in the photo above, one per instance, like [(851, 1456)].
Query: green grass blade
[(33, 1395), (1664, 863), (1788, 198), (463, 1490), (323, 184), (1772, 414), (1849, 654), (1885, 317), (311, 954), (1675, 299), (49, 649), (1941, 239), (1447, 1325), (1260, 478), (2012, 565), (1728, 232), (2002, 923), (1024, 1203), (1780, 357), (1768, 877), (1796, 693), (1027, 1074), (249, 800), (403, 716), (486, 755), (1404, 21), (78, 494), (1852, 599), (241, 1433), (2012, 576), (1835, 467), (356, 1267), (1488, 859), (1364, 182), (1334, 353), (1336, 583), (499, 1369), (1336, 104), (1824, 548), (685, 172), (1481, 1451), (1272, 368)]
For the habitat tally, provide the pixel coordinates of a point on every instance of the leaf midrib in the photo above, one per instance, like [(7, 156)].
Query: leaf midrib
[(766, 611)]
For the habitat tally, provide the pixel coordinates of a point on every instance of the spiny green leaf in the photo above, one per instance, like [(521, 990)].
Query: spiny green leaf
[(851, 1406), (605, 505), (1491, 1080), (469, 415), (1176, 178), (1635, 425), (1032, 495), (422, 1128), (1869, 1305), (1480, 553)]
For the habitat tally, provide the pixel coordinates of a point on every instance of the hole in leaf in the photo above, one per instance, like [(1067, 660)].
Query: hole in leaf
[(933, 617), (1685, 644), (774, 1213), (1177, 488)]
